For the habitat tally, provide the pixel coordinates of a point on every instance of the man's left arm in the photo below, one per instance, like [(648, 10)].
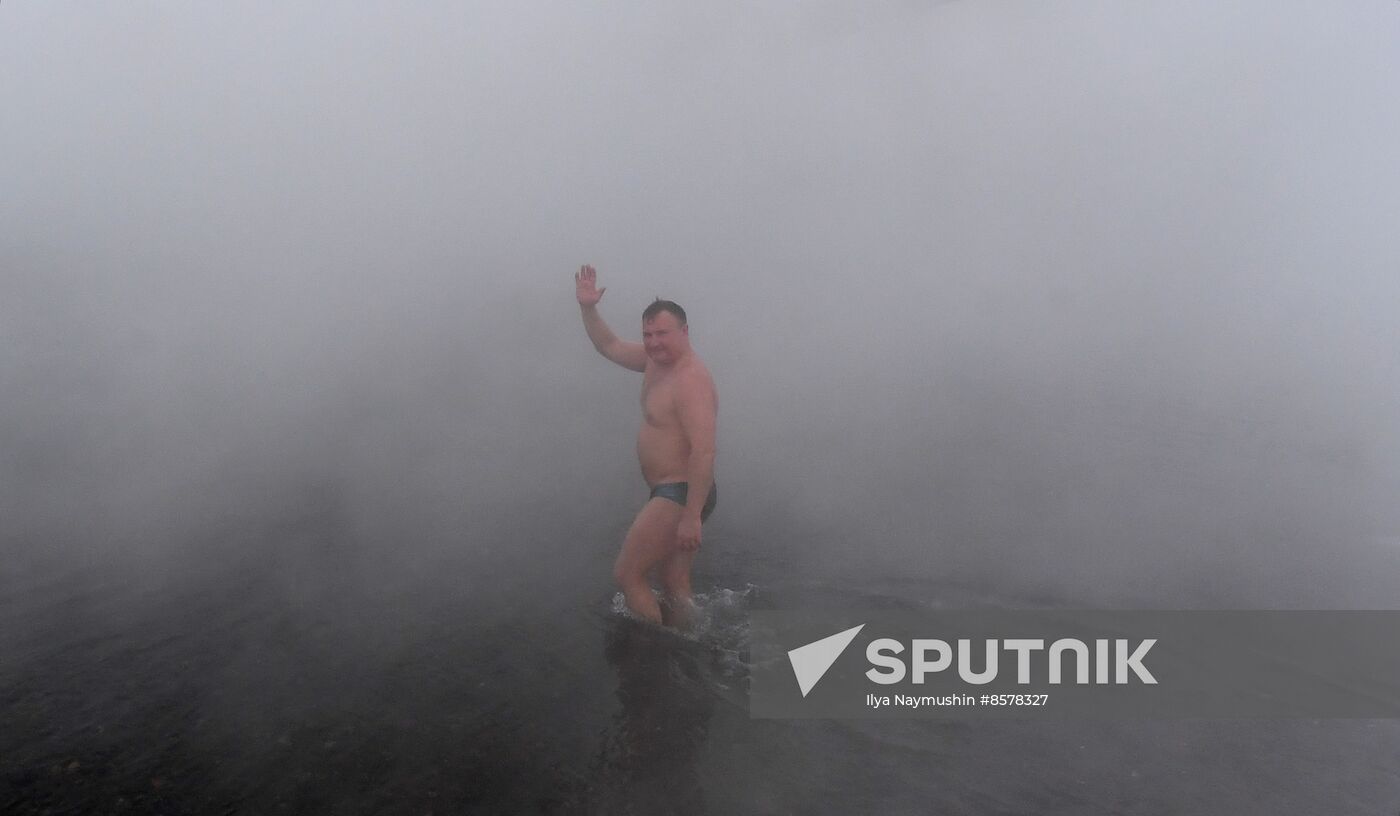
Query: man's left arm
[(697, 415)]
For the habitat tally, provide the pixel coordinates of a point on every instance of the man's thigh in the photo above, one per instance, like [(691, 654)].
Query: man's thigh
[(651, 539)]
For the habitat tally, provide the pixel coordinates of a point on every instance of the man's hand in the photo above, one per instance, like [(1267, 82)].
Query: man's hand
[(688, 533), (586, 281)]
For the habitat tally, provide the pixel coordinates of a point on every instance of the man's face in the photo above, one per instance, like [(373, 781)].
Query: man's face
[(664, 337)]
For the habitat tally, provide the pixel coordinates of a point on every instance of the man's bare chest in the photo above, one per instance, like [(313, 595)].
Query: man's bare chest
[(658, 401)]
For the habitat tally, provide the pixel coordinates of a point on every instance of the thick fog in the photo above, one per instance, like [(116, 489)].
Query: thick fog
[(1091, 300)]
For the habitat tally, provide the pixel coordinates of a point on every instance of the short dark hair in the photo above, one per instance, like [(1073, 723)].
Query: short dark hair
[(658, 306)]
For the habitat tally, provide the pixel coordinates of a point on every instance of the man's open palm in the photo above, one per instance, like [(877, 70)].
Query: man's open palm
[(587, 282)]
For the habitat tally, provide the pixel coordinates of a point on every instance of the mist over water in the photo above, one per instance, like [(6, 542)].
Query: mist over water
[(1062, 303)]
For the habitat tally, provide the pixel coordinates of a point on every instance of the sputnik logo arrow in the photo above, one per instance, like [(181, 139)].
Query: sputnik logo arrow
[(810, 662)]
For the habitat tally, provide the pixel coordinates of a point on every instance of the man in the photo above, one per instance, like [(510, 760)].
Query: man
[(676, 446)]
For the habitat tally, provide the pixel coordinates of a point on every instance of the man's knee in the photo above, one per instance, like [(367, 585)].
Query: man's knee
[(629, 571), (624, 575), (675, 577)]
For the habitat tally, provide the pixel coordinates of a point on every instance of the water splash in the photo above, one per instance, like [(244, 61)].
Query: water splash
[(720, 624)]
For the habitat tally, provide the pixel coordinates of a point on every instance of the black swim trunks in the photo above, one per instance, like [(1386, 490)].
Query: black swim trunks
[(677, 492)]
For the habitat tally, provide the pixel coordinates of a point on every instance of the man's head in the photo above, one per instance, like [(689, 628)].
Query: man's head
[(665, 332), (658, 306)]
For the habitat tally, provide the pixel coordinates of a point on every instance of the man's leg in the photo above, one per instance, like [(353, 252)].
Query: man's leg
[(679, 605), (650, 540)]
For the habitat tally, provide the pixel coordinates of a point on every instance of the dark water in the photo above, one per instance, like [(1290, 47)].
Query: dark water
[(281, 663)]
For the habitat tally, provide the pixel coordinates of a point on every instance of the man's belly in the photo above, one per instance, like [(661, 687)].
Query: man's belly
[(663, 454)]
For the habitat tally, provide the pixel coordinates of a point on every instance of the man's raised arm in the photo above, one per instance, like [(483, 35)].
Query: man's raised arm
[(627, 355)]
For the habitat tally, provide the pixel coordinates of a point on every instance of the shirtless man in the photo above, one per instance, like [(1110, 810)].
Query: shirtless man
[(676, 446)]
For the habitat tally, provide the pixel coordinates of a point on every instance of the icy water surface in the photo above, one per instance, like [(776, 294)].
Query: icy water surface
[(285, 670)]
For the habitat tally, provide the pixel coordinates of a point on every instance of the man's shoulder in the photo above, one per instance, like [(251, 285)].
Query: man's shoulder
[(696, 373), (694, 386)]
